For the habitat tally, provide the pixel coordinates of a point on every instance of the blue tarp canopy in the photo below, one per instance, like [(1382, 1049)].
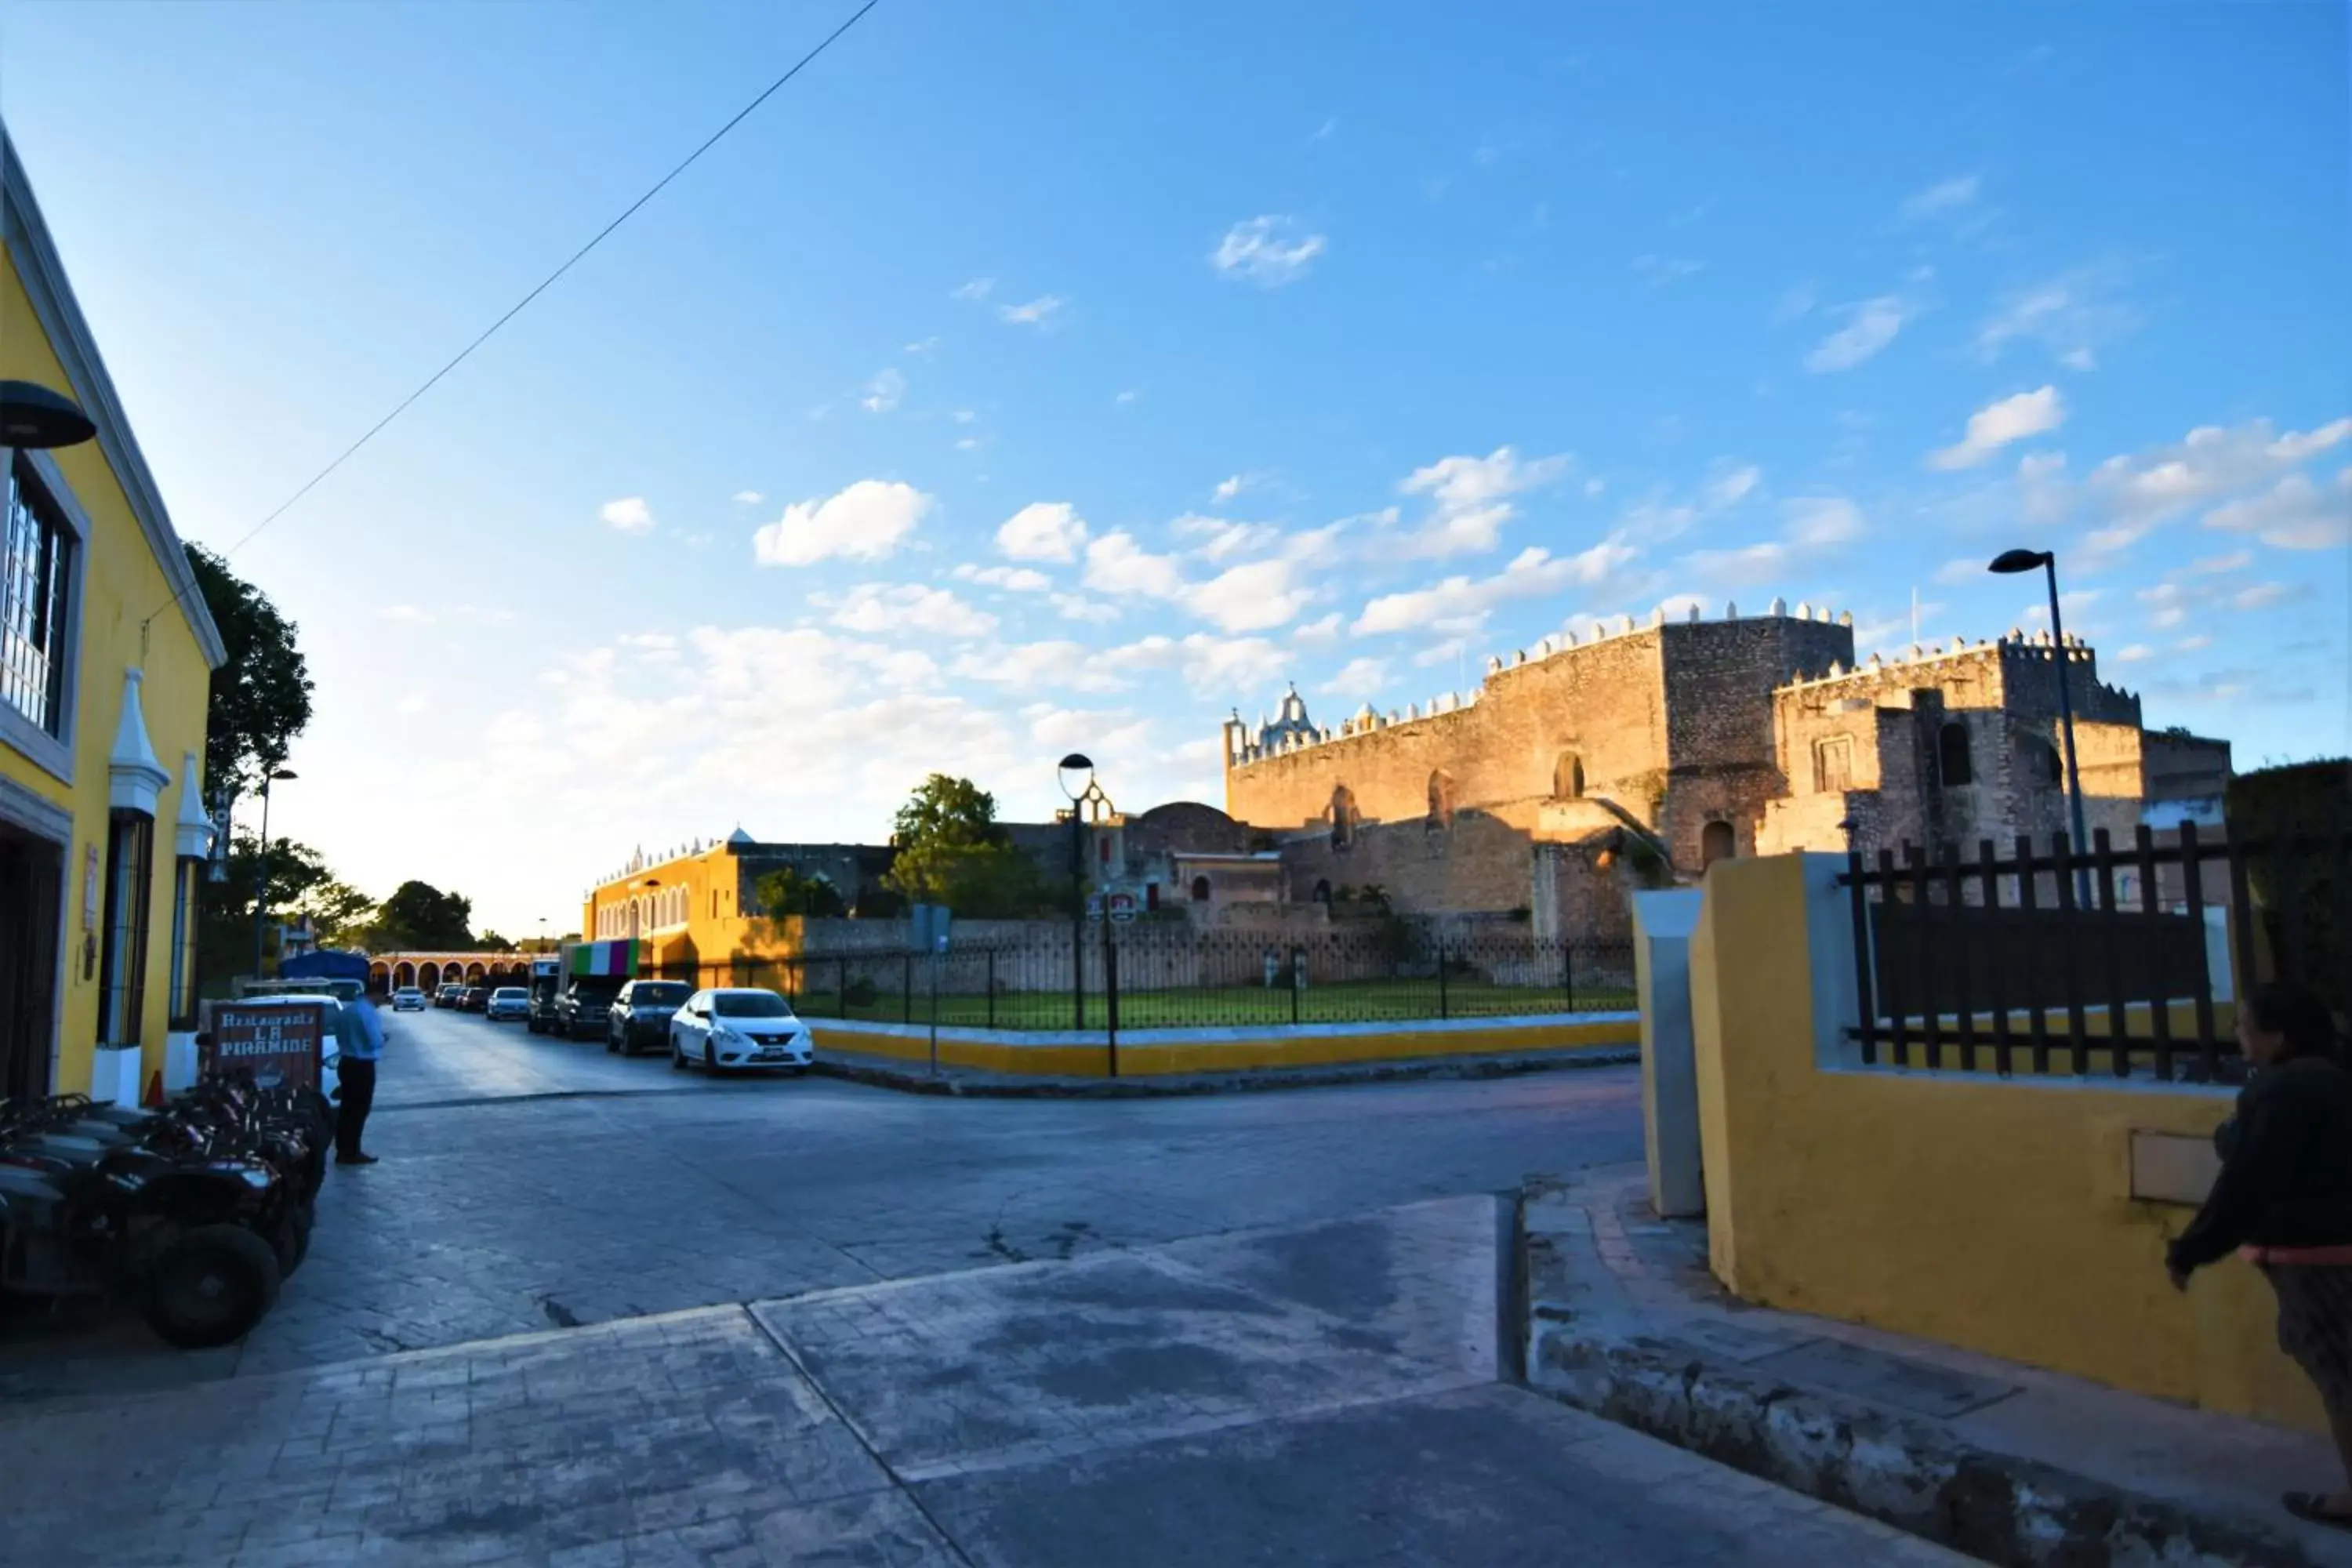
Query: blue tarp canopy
[(326, 964)]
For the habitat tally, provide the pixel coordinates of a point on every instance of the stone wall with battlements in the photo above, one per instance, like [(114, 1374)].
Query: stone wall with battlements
[(1671, 721)]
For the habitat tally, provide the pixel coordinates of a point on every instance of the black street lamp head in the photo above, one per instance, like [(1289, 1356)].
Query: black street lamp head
[(1076, 772), (2010, 562), (279, 776), (33, 415)]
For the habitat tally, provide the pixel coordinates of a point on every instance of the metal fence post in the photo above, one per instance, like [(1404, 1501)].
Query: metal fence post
[(907, 988), (1110, 993), (841, 987), (992, 988), (1568, 975), (1443, 1006)]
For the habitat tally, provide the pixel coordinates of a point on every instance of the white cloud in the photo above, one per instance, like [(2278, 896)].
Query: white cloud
[(1657, 271), (1036, 666), (1251, 597), (630, 514), (2207, 464), (1269, 252), (1078, 607), (1227, 489), (1358, 678), (1042, 530), (1730, 488), (2071, 317), (1944, 196), (1322, 630), (2261, 595), (1470, 498), (1967, 569), (1116, 563), (883, 392), (1017, 579), (2000, 422), (1870, 326), (1126, 396), (414, 703), (409, 615), (863, 521), (1037, 313), (2171, 604), (2296, 445), (1212, 666), (875, 608), (977, 289), (2294, 514), (1798, 300), (922, 345), (1222, 539), (2135, 653), (1459, 604), (749, 498), (1814, 520), (963, 416)]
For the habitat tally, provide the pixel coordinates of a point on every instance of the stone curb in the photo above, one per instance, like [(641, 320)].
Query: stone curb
[(1900, 1470), (913, 1080)]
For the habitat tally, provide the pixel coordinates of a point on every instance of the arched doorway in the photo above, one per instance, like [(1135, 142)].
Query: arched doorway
[(429, 976), (1343, 817), (1716, 842), (379, 977), (1440, 799), (1200, 890), (474, 973), (403, 975), (1567, 777)]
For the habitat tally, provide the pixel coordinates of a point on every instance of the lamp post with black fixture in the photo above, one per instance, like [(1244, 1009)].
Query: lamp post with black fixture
[(1076, 775), (2010, 563), (261, 889)]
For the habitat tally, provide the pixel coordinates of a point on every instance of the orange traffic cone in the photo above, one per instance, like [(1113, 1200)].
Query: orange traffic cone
[(154, 1095)]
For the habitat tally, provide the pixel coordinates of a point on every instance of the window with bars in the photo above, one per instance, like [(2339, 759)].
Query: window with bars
[(36, 587)]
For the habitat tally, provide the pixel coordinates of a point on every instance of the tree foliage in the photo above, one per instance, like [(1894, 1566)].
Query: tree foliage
[(261, 698), (421, 918), (951, 851), (786, 891), (300, 884)]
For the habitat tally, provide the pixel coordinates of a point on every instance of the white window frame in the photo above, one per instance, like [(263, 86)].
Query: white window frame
[(54, 755)]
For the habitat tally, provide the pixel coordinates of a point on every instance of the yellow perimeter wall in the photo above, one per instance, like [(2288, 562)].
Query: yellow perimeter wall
[(1146, 1057), (1991, 1215), (121, 586)]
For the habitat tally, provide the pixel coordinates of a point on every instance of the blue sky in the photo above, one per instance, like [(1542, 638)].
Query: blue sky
[(1032, 377)]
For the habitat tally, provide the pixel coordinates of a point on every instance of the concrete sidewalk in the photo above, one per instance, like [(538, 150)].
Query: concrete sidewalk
[(888, 1072), (2001, 1461)]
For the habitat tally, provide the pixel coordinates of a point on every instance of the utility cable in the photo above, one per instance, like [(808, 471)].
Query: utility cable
[(549, 281)]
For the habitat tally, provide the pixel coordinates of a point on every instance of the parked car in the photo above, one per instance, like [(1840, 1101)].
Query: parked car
[(507, 1003), (408, 999), (640, 1015), (477, 999), (448, 995), (584, 1004), (738, 1028)]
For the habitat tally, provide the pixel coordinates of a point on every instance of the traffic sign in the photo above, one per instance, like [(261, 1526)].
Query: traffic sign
[(1122, 908), (1093, 909)]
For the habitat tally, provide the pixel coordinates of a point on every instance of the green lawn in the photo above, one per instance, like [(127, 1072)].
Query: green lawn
[(1351, 1002)]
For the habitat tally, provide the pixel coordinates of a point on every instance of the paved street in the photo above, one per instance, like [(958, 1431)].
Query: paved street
[(772, 1320)]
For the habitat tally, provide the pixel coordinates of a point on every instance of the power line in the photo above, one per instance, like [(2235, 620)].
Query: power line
[(544, 284)]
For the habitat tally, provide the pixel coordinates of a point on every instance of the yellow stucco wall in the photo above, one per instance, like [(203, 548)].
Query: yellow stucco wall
[(122, 584), (1994, 1214), (715, 928)]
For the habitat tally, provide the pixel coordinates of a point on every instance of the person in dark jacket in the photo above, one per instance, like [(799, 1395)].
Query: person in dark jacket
[(2284, 1201)]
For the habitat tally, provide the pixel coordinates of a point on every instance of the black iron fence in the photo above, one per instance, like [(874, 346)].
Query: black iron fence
[(1148, 976), (2118, 954)]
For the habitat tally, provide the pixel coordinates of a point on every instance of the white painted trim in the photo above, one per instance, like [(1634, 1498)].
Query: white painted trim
[(135, 775), (43, 274), (37, 815), (1094, 1038)]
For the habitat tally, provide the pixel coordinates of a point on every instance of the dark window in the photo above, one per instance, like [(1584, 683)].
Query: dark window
[(1716, 842), (182, 1005), (1440, 799), (1567, 777), (1952, 760), (1200, 890), (123, 974), (1150, 895), (2040, 761), (749, 1004), (1343, 817), (1323, 892), (36, 590)]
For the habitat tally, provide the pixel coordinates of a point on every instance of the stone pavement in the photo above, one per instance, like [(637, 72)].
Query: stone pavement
[(1321, 1394), (511, 1213), (1625, 1320)]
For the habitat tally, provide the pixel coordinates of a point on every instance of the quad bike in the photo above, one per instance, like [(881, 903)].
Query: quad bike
[(198, 1210)]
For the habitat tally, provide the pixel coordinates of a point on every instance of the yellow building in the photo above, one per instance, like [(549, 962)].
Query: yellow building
[(106, 660), (700, 903)]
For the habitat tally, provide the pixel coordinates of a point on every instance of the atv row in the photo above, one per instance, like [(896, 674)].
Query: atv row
[(197, 1211)]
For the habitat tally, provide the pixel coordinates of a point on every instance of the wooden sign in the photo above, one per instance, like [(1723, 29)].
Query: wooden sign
[(278, 1042)]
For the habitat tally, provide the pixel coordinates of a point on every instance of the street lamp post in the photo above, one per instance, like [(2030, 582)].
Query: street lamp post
[(1076, 774), (2010, 563), (261, 887)]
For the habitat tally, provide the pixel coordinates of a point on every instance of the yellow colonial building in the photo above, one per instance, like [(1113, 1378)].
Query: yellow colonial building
[(106, 659)]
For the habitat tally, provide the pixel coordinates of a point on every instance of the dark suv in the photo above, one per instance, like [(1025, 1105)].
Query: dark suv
[(582, 1010), (639, 1017)]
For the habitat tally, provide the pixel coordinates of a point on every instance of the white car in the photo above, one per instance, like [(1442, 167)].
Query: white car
[(408, 999), (738, 1028), (507, 1002)]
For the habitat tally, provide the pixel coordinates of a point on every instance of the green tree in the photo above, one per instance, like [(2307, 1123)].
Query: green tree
[(950, 851), (786, 891), (419, 917), (494, 941), (300, 883), (261, 698)]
